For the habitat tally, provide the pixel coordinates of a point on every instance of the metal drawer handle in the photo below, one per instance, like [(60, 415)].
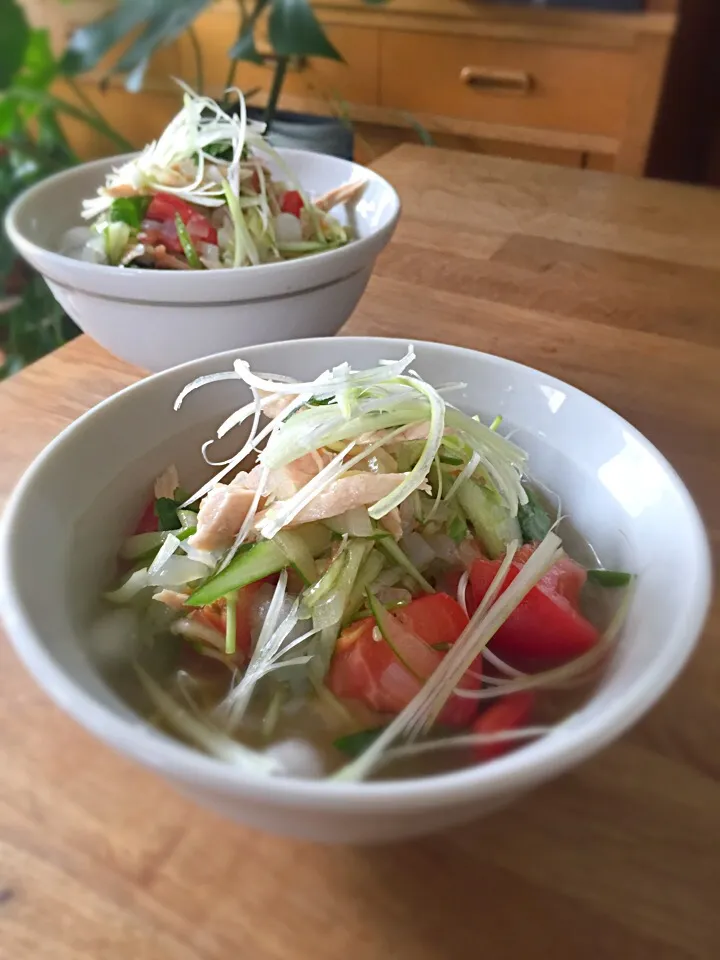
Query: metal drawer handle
[(488, 78)]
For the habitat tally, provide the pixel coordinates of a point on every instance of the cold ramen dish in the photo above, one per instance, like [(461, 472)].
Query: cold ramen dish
[(203, 197), (371, 583)]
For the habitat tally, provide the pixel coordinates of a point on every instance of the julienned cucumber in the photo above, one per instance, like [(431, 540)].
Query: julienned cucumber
[(490, 519), (298, 553), (609, 578), (257, 561)]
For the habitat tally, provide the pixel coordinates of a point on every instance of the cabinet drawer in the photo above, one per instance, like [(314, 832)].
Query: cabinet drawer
[(508, 82)]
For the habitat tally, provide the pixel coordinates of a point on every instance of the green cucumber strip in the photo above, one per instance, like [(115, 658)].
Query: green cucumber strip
[(327, 582), (298, 554), (369, 572), (144, 546), (609, 578), (255, 561), (396, 554), (491, 521), (353, 744), (191, 254), (381, 616), (457, 528)]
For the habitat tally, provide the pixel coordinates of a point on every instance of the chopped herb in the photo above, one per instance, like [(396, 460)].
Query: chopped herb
[(609, 578), (191, 254), (496, 423), (353, 744), (534, 521), (442, 647), (129, 210), (222, 150), (457, 528), (166, 512), (314, 402)]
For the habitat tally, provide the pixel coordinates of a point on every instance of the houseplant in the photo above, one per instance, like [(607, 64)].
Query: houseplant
[(293, 31), (32, 146)]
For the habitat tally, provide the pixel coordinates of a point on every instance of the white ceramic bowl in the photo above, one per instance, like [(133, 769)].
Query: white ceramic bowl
[(71, 509), (159, 318)]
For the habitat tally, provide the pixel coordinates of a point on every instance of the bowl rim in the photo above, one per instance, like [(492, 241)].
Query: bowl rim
[(185, 278), (514, 772)]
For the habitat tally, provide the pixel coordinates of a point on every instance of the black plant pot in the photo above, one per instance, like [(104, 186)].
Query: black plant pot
[(306, 131)]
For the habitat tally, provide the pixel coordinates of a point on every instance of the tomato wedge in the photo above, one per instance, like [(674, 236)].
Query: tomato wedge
[(215, 617), (385, 676), (547, 624), (436, 618), (163, 208), (148, 522), (292, 203), (510, 713)]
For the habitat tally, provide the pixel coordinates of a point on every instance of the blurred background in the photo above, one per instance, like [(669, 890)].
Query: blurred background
[(624, 86)]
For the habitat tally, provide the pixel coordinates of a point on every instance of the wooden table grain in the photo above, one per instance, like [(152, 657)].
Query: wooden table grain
[(612, 284)]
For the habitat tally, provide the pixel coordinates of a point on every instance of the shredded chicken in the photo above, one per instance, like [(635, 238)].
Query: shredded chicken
[(167, 483), (171, 598), (120, 190), (275, 407), (357, 490), (392, 523), (286, 481), (220, 516), (344, 194), (163, 260)]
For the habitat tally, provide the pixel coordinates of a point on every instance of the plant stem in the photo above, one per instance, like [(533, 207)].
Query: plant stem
[(197, 51), (272, 102), (57, 103), (230, 79), (83, 97)]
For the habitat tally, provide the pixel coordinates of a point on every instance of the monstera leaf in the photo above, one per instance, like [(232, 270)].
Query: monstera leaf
[(295, 31), (162, 22), (14, 36)]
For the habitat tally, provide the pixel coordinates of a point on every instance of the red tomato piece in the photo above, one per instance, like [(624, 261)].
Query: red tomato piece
[(510, 713), (436, 618), (292, 203), (148, 522), (547, 624), (165, 233), (215, 617), (163, 209), (386, 676), (565, 577), (200, 230), (164, 206)]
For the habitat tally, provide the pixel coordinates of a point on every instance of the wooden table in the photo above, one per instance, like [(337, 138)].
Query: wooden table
[(610, 283)]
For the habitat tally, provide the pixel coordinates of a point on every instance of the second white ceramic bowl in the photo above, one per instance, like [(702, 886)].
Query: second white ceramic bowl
[(73, 507), (158, 318)]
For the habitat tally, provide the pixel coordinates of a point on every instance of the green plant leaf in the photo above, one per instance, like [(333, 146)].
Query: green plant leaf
[(244, 47), (161, 29), (90, 43), (295, 31), (9, 116), (14, 37), (39, 67)]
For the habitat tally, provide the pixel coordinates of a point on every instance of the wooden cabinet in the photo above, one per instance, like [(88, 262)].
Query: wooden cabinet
[(543, 85), (571, 87)]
